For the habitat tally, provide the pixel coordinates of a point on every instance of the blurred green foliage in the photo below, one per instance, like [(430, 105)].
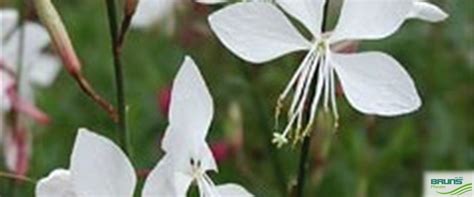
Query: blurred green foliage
[(367, 156)]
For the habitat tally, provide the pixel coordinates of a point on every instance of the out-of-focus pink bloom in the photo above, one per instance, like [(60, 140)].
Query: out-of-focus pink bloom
[(164, 98), (221, 150), (201, 9), (38, 68), (192, 33), (6, 81), (20, 105), (17, 150)]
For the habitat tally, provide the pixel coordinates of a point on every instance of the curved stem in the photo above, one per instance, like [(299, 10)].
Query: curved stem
[(304, 155), (51, 19)]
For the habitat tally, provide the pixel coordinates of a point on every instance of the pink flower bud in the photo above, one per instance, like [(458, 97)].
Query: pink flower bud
[(221, 151), (164, 99)]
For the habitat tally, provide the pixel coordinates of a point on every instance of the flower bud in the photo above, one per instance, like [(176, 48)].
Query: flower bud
[(164, 99), (53, 23), (221, 151)]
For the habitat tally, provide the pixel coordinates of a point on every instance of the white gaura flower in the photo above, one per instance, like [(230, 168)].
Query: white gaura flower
[(37, 69), (97, 168), (150, 12), (373, 82), (187, 155)]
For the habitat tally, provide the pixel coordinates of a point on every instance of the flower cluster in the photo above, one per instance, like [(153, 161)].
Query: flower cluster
[(99, 168), (257, 31)]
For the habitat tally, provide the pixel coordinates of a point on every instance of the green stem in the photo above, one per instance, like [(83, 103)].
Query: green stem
[(304, 155), (303, 166), (119, 77)]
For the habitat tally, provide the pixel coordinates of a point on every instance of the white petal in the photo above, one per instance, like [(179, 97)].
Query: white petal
[(164, 181), (206, 157), (5, 82), (44, 70), (191, 108), (211, 1), (376, 19), (191, 112), (57, 184), (151, 11), (256, 32), (100, 168), (309, 12), (233, 190), (36, 38), (185, 150), (375, 83), (427, 11), (8, 20), (27, 92)]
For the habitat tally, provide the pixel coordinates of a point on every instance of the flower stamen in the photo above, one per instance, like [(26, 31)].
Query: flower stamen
[(316, 62)]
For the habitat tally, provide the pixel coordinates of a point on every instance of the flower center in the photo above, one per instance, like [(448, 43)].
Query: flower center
[(322, 46), (308, 91), (204, 182), (196, 170)]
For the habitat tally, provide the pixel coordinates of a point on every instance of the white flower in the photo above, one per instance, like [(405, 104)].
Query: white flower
[(99, 168), (38, 68), (373, 82), (150, 12), (188, 156)]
